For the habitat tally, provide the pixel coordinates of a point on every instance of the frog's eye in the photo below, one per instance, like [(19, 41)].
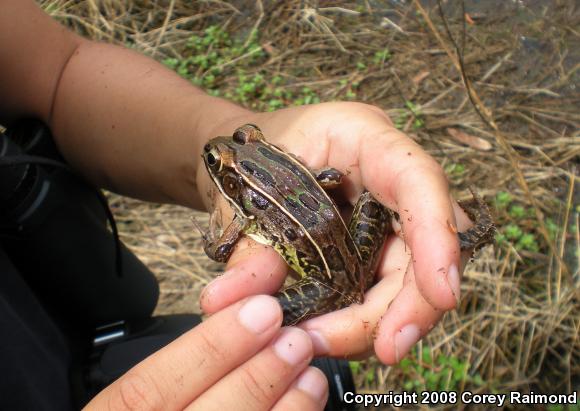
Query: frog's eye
[(214, 160), (231, 185)]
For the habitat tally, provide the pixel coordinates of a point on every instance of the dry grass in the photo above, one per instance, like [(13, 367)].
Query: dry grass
[(519, 320)]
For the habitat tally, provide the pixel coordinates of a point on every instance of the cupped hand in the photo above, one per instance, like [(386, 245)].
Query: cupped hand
[(418, 278), (238, 359)]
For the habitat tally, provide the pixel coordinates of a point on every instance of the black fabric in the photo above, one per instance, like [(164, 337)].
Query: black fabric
[(34, 355), (59, 275)]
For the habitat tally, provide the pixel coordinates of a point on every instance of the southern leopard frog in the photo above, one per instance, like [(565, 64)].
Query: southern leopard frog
[(280, 202)]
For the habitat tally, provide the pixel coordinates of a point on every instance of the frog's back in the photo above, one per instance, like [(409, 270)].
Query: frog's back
[(294, 190)]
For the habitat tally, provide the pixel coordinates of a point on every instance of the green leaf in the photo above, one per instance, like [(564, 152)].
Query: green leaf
[(503, 199), (528, 242), (171, 63), (513, 231), (354, 366), (517, 212)]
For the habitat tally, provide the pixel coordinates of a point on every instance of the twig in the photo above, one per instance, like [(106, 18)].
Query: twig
[(487, 118), (163, 27)]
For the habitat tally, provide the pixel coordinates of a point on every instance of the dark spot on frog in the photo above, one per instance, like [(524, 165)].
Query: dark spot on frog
[(258, 200), (364, 227), (311, 291), (305, 178), (309, 201), (258, 172), (364, 241), (291, 294), (304, 217), (371, 210), (301, 256), (290, 234)]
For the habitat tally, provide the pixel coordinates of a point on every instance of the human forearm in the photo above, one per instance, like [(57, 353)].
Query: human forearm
[(132, 125), (123, 120)]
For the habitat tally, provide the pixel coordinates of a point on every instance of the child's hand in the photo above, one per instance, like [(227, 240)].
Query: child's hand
[(238, 359), (408, 298)]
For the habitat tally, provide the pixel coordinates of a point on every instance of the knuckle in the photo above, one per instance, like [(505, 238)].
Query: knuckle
[(135, 392), (257, 387), (208, 350)]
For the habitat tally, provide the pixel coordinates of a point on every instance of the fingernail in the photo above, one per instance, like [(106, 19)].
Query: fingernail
[(453, 280), (405, 339), (259, 313), (293, 346), (313, 383), (319, 343)]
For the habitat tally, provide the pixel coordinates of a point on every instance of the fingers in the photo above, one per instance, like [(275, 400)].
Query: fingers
[(403, 176), (351, 332), (309, 392), (252, 269), (262, 380), (180, 372), (393, 317), (407, 320)]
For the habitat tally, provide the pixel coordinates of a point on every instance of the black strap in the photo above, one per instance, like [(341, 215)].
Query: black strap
[(21, 159)]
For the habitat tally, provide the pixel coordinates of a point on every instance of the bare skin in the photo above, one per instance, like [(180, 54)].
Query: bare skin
[(132, 126)]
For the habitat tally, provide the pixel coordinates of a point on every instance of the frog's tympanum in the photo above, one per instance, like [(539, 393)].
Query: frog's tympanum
[(278, 201)]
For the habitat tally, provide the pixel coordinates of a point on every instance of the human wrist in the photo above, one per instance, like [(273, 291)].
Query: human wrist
[(216, 116), (213, 117)]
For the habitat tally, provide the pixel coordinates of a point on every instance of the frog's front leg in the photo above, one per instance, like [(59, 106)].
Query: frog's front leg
[(328, 177), (221, 249)]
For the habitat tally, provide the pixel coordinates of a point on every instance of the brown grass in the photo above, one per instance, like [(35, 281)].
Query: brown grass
[(519, 320)]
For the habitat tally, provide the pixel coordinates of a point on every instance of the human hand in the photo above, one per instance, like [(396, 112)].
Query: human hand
[(237, 359), (408, 299)]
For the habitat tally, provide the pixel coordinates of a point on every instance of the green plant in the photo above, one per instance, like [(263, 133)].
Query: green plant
[(503, 199), (455, 169), (369, 370), (416, 111), (412, 110), (517, 212), (422, 372), (208, 62), (381, 56)]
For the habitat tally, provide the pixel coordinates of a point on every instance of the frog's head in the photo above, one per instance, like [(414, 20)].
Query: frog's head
[(225, 159)]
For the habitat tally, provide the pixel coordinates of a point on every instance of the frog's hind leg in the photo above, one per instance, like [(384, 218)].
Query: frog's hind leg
[(368, 226), (308, 297), (483, 230)]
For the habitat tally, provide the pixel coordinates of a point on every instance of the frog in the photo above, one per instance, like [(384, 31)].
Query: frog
[(280, 202)]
